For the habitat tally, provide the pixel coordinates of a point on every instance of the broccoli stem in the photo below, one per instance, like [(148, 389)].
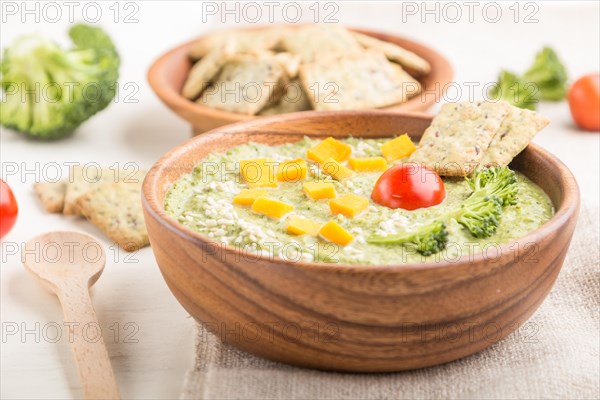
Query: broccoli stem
[(428, 239)]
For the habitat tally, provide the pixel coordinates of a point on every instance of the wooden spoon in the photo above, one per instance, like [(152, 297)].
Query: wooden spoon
[(68, 263)]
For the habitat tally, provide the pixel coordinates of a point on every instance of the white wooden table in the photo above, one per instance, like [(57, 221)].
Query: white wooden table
[(149, 336)]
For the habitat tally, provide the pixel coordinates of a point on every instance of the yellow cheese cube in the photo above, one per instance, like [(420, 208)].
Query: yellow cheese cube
[(369, 164), (293, 170), (259, 172), (247, 196), (301, 226), (333, 232), (271, 208), (336, 170), (319, 190), (398, 148), (329, 148), (349, 204)]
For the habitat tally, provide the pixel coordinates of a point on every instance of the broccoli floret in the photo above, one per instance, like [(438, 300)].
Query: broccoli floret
[(549, 75), (48, 91), (107, 59), (500, 182), (515, 91), (480, 215), (492, 188), (428, 239), (546, 79)]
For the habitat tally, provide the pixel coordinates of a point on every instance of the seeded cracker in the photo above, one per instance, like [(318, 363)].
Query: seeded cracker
[(116, 209), (246, 84), (410, 86), (293, 100), (514, 135), (414, 64), (204, 70), (51, 195), (246, 41), (456, 140), (312, 42), (354, 81), (290, 63), (82, 180)]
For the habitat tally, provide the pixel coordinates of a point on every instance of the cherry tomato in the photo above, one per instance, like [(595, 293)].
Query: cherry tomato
[(8, 209), (409, 186), (584, 102)]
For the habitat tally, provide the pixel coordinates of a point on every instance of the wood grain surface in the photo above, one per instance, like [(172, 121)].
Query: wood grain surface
[(168, 73), (356, 318)]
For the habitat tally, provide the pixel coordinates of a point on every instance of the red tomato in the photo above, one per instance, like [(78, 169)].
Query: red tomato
[(409, 186), (8, 209), (584, 102)]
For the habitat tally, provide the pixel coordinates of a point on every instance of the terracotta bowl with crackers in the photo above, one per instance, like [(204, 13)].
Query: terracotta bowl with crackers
[(293, 69), (356, 318)]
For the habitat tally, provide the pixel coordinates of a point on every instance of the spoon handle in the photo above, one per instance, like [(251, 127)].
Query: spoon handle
[(85, 335)]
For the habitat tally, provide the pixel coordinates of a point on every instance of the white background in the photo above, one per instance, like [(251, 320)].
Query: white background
[(143, 130)]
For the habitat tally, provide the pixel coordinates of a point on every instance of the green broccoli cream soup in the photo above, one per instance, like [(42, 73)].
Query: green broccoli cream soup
[(293, 219)]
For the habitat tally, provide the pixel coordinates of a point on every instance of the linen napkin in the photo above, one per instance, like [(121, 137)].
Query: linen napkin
[(555, 354)]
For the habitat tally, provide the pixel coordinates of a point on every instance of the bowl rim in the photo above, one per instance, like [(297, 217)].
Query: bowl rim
[(567, 210), (174, 99)]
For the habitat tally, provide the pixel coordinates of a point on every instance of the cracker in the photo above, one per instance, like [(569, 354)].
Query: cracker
[(204, 45), (116, 209), (354, 81), (515, 133), (410, 85), (246, 84), (246, 41), (290, 63), (205, 70), (459, 135), (51, 195), (294, 99), (82, 179), (414, 64), (311, 42)]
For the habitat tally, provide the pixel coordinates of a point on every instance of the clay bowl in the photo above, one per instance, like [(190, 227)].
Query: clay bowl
[(169, 72), (356, 318)]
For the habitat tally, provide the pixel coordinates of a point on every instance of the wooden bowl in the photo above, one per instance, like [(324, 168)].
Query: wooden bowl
[(353, 317), (169, 72)]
